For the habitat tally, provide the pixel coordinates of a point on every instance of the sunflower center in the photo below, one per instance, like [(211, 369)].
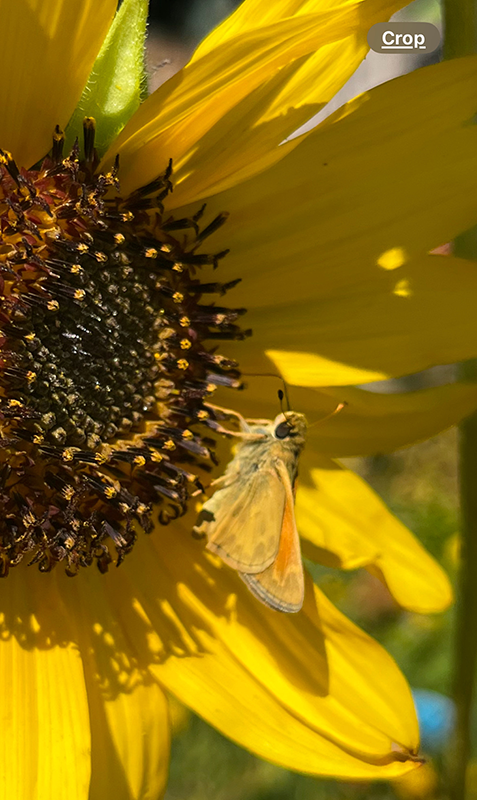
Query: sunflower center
[(104, 370)]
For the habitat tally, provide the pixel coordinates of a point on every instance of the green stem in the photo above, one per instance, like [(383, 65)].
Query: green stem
[(466, 630), (460, 27)]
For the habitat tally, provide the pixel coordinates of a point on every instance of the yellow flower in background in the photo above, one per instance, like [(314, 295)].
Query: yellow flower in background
[(420, 784), (105, 379)]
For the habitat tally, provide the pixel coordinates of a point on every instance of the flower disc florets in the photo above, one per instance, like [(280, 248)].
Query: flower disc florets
[(104, 374)]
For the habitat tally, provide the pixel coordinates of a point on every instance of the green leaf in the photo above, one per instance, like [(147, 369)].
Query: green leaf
[(116, 83)]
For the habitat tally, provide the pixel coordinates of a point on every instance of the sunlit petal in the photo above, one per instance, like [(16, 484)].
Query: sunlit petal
[(310, 289), (349, 526), (216, 649), (48, 49), (129, 716), (379, 326), (211, 103), (242, 142), (330, 234), (45, 742)]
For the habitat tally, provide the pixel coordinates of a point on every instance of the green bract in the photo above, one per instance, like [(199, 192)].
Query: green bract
[(116, 82)]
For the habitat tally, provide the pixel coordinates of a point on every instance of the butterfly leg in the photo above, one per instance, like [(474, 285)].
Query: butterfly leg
[(244, 421), (243, 434), (227, 412)]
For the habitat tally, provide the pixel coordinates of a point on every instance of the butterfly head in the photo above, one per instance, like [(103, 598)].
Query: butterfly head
[(290, 425)]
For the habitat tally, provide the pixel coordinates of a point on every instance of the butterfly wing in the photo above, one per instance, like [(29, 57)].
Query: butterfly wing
[(243, 520), (281, 585)]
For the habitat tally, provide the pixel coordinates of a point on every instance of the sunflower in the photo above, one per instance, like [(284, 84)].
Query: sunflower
[(124, 289)]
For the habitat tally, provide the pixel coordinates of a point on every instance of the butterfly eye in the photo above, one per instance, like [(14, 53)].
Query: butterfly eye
[(283, 430)]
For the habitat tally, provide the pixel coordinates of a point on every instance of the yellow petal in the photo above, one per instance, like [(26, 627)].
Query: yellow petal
[(308, 369), (321, 75), (349, 526), (48, 49), (421, 783), (291, 219), (209, 102), (130, 743), (378, 332), (308, 691), (371, 423), (375, 423), (338, 178), (308, 235), (130, 727), (240, 144), (254, 14), (45, 741)]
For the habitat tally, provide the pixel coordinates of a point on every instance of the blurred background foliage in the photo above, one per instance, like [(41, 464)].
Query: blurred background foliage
[(419, 485)]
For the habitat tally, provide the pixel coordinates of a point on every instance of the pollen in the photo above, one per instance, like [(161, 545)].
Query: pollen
[(104, 425), (151, 252)]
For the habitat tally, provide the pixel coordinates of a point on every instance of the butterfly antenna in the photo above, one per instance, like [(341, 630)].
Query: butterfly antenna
[(281, 393), (286, 396), (335, 411)]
